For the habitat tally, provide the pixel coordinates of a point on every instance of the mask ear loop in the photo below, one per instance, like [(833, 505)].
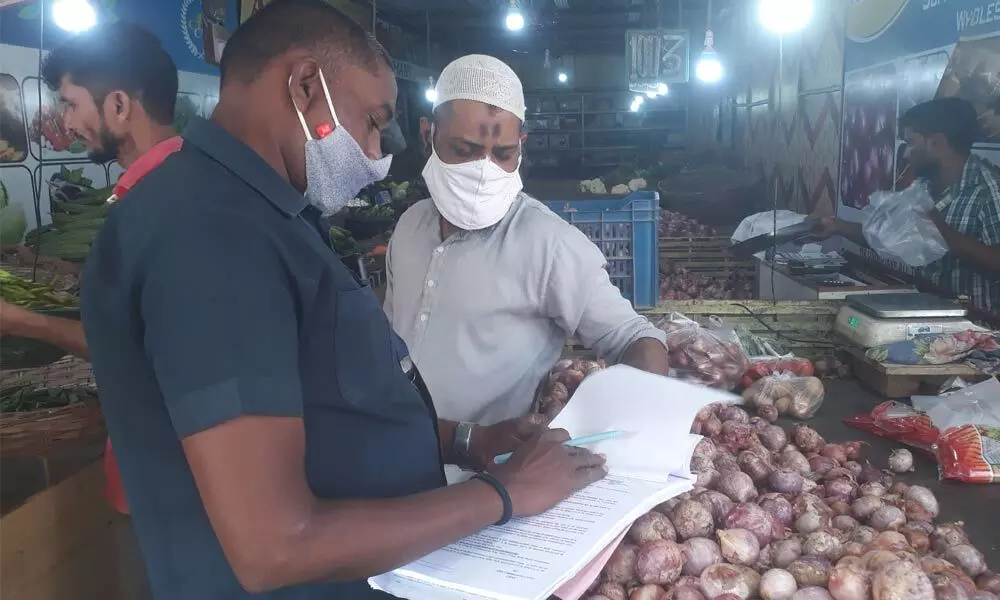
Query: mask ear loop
[(329, 101), (302, 119)]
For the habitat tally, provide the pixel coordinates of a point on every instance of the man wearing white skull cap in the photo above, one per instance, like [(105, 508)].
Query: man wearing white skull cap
[(484, 282)]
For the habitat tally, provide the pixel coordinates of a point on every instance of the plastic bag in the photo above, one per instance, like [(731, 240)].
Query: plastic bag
[(796, 397), (898, 422), (897, 226), (699, 355), (561, 383), (969, 453), (763, 367), (978, 404), (764, 222)]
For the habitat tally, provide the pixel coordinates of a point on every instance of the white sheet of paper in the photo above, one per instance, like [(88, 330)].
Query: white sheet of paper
[(655, 412)]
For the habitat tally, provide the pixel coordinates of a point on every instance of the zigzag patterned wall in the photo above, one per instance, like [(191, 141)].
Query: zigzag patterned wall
[(791, 138)]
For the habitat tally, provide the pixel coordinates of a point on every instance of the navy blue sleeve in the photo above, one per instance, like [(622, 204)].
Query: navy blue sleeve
[(220, 324)]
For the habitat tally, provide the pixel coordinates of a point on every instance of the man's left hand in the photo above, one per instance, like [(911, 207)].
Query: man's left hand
[(490, 440)]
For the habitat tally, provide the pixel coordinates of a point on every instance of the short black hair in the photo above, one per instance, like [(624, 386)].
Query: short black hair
[(955, 118), (118, 56), (286, 25)]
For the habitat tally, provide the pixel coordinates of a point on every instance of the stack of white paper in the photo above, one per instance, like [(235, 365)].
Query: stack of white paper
[(530, 557)]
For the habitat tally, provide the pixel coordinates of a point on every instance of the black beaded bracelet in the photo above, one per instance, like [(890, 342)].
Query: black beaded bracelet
[(508, 509)]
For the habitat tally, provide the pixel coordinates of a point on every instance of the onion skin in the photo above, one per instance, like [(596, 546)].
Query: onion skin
[(824, 544), (658, 562), (648, 592), (786, 551), (854, 467), (821, 464), (810, 570), (873, 488), (756, 520), (842, 488), (755, 466), (989, 582), (845, 523), (807, 439), (777, 584), (863, 507), (812, 592), (834, 451), (612, 591), (791, 458), (785, 481), (854, 549), (811, 521), (778, 506), (651, 526), (718, 580), (849, 581), (947, 535), (864, 534), (853, 449), (621, 566), (925, 498), (768, 412), (738, 486), (901, 461), (684, 592), (839, 507), (890, 540), (717, 504), (887, 518), (731, 412), (699, 553), (739, 546), (968, 558), (773, 438), (901, 580), (691, 519), (918, 540)]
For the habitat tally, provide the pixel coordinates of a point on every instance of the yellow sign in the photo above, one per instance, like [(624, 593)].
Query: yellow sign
[(867, 19), (360, 12)]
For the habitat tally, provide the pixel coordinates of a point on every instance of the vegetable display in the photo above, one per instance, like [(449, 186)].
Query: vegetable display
[(678, 283), (701, 356), (28, 294), (786, 515), (78, 212), (674, 224), (25, 398), (561, 383), (796, 397)]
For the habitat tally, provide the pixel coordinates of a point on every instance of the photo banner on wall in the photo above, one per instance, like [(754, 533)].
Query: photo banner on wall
[(900, 53)]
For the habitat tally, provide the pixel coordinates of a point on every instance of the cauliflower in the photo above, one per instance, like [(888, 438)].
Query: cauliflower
[(593, 186), (621, 188), (637, 184)]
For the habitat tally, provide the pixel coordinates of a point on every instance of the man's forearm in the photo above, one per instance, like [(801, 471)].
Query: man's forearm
[(968, 247), (851, 231), (63, 333), (446, 438), (648, 354)]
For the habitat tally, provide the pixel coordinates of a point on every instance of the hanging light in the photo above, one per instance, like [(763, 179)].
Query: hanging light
[(74, 15), (709, 67), (636, 103), (514, 20), (562, 77), (431, 92), (662, 89), (785, 16)]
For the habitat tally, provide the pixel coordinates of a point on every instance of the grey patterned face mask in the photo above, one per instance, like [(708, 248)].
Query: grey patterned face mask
[(336, 166)]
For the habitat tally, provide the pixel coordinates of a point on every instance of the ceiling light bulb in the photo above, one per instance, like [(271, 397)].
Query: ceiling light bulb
[(708, 69), (74, 15), (662, 89), (431, 95), (785, 16), (563, 77), (515, 20)]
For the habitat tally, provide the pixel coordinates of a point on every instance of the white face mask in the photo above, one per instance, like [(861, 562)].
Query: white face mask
[(471, 195)]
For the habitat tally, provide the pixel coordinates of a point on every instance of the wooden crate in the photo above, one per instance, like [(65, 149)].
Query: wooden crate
[(802, 326), (707, 256), (903, 381)]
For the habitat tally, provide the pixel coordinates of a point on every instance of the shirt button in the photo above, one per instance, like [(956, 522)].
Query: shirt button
[(423, 318), (438, 250), (430, 283)]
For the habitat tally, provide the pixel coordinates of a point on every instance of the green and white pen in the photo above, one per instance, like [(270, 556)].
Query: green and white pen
[(580, 441)]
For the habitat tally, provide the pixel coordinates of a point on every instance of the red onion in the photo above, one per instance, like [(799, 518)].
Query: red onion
[(854, 467), (967, 557), (901, 461), (901, 580), (916, 511), (946, 587), (707, 478), (824, 544), (792, 459), (876, 559), (778, 506), (921, 526), (890, 540), (691, 519), (731, 412), (699, 553), (738, 486), (711, 426), (759, 424), (735, 434), (811, 521), (853, 449), (834, 451), (840, 473), (785, 481), (887, 518), (812, 592), (773, 438), (612, 591), (755, 466), (685, 592), (648, 592), (984, 595), (873, 488), (764, 559), (621, 565), (849, 581), (989, 582), (924, 497), (844, 523), (651, 526), (807, 439), (726, 461), (854, 549), (667, 506), (863, 507), (701, 463), (777, 584), (841, 488), (810, 570), (898, 487), (706, 448), (806, 502), (658, 561), (918, 540), (947, 535), (718, 504), (717, 580), (786, 551), (869, 474), (768, 412), (755, 519), (822, 464), (739, 546), (839, 506), (864, 534)]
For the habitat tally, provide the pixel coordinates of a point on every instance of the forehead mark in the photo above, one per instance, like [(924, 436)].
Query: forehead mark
[(496, 130), (484, 130)]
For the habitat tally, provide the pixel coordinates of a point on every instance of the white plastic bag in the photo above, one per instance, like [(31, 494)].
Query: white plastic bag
[(897, 226), (764, 222)]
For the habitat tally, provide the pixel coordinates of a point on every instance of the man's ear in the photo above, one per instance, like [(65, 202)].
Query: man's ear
[(117, 109), (305, 87)]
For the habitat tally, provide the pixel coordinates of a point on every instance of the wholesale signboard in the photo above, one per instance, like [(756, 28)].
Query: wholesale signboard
[(655, 56)]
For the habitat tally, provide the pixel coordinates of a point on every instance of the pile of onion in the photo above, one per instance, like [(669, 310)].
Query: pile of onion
[(786, 515)]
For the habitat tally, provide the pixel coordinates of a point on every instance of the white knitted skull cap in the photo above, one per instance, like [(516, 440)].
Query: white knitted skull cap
[(483, 79)]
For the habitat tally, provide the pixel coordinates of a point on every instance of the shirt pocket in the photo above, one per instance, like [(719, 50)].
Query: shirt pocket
[(365, 363)]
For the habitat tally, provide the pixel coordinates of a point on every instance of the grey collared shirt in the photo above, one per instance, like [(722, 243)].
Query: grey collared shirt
[(486, 313)]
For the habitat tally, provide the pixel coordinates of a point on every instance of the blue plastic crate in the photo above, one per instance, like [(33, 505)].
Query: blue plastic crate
[(625, 229)]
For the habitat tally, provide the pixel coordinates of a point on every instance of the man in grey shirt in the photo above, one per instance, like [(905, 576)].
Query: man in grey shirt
[(484, 282)]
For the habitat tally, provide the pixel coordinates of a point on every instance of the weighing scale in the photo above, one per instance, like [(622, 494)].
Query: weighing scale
[(874, 320)]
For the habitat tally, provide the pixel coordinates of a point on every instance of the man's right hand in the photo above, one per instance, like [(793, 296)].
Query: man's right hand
[(828, 227), (543, 472), (13, 319)]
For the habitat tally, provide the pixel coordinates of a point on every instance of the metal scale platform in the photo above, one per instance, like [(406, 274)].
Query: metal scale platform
[(874, 320)]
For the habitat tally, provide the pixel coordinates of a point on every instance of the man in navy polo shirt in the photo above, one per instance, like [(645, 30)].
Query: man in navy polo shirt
[(269, 437)]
